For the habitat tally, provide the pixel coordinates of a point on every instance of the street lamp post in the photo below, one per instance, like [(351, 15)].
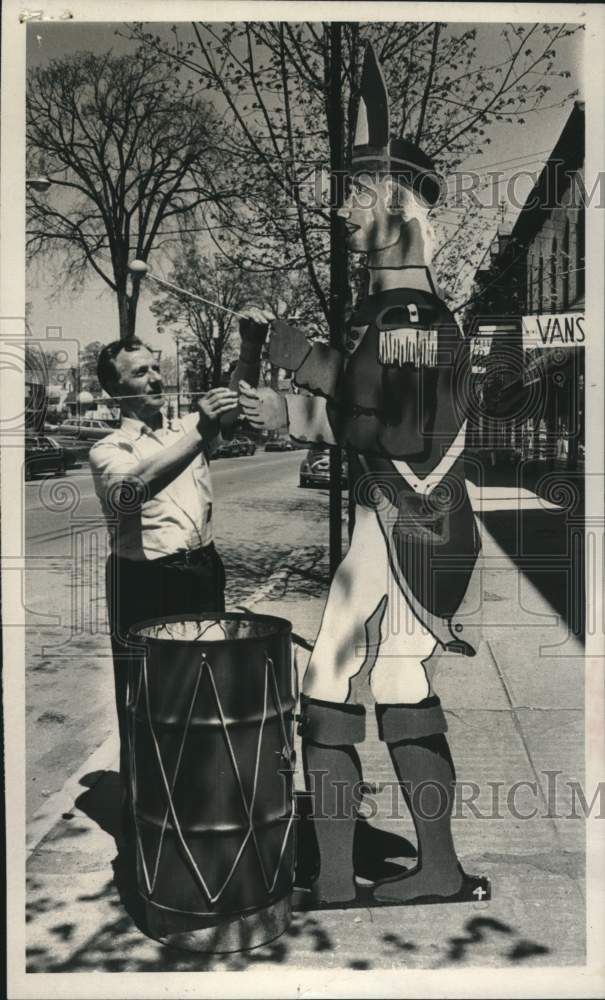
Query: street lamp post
[(178, 338), (216, 354), (178, 379), (41, 183)]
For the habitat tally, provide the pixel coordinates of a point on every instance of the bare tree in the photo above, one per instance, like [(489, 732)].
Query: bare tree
[(131, 151), (168, 368), (272, 79), (212, 325), (88, 367)]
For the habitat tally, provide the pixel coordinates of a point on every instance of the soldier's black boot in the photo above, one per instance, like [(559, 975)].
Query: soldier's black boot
[(333, 778), (415, 736)]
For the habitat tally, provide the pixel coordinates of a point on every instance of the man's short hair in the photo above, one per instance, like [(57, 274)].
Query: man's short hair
[(106, 369)]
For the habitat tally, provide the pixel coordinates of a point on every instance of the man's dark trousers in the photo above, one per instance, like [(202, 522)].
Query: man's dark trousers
[(154, 588)]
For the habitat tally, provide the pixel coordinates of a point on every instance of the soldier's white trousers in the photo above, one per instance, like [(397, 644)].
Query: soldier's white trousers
[(366, 617)]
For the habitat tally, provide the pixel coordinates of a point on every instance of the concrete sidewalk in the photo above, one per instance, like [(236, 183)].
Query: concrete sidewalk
[(516, 716)]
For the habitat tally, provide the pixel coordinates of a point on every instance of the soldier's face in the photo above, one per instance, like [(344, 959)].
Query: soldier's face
[(371, 221)]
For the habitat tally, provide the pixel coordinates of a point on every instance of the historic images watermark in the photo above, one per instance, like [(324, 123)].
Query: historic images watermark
[(552, 797), (315, 184)]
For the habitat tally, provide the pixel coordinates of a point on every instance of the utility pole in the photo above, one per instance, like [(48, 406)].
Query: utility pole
[(178, 377), (338, 263)]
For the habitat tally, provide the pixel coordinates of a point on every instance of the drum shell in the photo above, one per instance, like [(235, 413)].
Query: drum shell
[(213, 723)]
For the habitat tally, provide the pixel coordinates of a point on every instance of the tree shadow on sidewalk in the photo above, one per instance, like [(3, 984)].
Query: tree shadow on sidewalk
[(103, 929), (479, 930)]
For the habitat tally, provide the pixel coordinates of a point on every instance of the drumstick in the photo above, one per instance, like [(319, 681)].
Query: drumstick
[(298, 639), (141, 395), (141, 268)]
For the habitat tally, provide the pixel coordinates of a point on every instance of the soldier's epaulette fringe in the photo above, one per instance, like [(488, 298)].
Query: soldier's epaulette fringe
[(408, 346)]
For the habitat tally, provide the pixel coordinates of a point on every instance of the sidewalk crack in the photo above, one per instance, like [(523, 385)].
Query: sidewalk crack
[(521, 736)]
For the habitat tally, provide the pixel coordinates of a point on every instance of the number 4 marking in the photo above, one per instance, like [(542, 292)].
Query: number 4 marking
[(479, 892)]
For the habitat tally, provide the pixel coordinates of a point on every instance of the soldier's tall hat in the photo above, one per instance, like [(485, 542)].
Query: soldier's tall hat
[(374, 150)]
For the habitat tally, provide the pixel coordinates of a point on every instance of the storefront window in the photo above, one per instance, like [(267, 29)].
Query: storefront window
[(553, 276), (565, 265), (541, 284), (580, 237)]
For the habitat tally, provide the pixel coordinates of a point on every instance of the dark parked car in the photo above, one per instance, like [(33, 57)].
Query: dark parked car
[(44, 454), (228, 449), (315, 468), (73, 457), (279, 444), (245, 445)]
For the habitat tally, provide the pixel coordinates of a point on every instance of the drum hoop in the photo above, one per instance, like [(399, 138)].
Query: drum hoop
[(283, 629), (219, 916)]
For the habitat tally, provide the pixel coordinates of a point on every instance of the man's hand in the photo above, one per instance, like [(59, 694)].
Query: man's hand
[(212, 406), (264, 408)]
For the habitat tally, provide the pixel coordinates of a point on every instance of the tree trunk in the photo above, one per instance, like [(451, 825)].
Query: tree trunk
[(127, 313), (133, 301), (217, 367), (123, 314), (127, 300)]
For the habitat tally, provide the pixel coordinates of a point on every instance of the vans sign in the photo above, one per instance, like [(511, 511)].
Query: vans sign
[(555, 330)]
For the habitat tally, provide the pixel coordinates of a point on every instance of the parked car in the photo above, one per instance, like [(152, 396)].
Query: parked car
[(44, 454), (315, 469), (95, 429), (279, 444), (89, 428), (69, 427), (245, 445), (73, 457), (228, 449)]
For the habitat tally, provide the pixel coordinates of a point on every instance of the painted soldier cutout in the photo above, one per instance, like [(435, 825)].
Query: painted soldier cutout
[(398, 397)]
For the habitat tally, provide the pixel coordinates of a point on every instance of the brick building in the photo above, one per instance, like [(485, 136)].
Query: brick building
[(527, 309)]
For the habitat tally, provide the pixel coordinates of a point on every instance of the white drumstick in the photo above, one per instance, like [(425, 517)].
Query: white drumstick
[(139, 395), (142, 269)]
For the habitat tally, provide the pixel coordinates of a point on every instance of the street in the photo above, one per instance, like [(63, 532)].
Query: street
[(260, 514)]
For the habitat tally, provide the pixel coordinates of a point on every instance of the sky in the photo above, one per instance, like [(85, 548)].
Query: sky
[(92, 314)]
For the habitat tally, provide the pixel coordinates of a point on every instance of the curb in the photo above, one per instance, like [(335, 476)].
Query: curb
[(62, 801)]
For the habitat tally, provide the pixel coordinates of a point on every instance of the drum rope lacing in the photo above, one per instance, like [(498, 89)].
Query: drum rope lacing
[(174, 630), (169, 786)]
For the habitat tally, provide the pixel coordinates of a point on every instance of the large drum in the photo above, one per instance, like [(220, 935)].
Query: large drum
[(211, 710)]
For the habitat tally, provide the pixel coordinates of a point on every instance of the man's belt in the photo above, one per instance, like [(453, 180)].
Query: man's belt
[(187, 557)]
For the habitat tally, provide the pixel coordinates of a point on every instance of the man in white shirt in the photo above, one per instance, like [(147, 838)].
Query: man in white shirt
[(152, 478)]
